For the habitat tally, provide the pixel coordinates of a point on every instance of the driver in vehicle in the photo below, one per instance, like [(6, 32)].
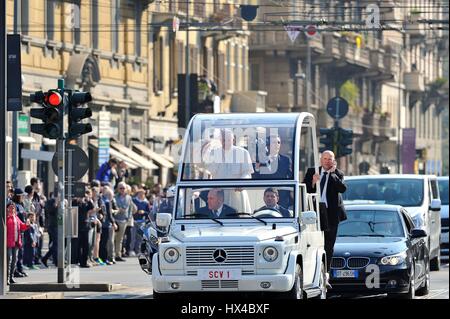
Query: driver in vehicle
[(271, 198), (216, 207)]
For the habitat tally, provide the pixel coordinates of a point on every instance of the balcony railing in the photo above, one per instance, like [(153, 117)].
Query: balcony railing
[(414, 81)]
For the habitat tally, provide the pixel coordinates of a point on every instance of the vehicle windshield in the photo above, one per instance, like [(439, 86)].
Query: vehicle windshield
[(240, 147), (404, 192), (235, 202), (443, 191), (371, 223)]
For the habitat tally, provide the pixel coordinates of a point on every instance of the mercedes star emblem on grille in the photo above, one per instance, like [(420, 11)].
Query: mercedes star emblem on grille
[(219, 255)]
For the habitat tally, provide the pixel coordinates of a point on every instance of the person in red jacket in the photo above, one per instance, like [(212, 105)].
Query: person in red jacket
[(14, 227)]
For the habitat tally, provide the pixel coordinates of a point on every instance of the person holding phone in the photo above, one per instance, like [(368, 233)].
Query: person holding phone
[(331, 183)]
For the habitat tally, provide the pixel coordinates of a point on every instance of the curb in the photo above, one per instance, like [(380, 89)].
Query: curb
[(58, 287), (46, 295)]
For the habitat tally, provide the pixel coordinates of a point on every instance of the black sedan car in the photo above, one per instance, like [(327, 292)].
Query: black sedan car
[(378, 251)]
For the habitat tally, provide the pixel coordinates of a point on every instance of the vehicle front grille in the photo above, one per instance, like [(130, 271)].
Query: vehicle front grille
[(357, 262), (236, 256), (220, 284), (337, 262)]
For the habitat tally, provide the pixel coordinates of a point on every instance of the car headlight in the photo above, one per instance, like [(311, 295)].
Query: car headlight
[(171, 255), (270, 254), (394, 260)]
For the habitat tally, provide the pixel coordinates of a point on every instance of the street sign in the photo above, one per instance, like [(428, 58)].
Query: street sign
[(37, 155), (311, 31), (337, 107), (80, 162), (23, 126), (104, 132), (14, 73)]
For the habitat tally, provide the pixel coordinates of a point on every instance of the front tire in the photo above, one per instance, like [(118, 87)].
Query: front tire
[(425, 289)]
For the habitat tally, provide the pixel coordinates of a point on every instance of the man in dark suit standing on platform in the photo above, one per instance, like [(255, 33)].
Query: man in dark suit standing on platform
[(216, 208), (332, 185)]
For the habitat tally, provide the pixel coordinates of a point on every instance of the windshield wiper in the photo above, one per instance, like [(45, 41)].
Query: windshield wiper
[(205, 215), (375, 235), (348, 235), (248, 214)]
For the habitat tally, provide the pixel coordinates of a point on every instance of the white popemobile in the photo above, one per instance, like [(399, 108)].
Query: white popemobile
[(242, 220)]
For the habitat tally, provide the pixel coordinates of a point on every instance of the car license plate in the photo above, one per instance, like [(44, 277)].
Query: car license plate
[(345, 273), (219, 274)]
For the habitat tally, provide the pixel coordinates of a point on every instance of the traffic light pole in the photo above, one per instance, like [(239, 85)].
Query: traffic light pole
[(3, 264), (61, 196)]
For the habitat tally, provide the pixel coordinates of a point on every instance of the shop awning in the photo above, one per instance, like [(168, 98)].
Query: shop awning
[(142, 161), (169, 158), (49, 142), (153, 155), (27, 140), (131, 163)]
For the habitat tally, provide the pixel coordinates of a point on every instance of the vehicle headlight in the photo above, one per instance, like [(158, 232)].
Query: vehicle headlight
[(171, 255), (394, 260), (270, 254)]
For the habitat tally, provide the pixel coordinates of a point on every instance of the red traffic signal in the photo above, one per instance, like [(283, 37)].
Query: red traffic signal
[(53, 98)]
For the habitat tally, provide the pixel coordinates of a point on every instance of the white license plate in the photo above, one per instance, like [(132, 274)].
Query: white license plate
[(345, 273), (219, 274)]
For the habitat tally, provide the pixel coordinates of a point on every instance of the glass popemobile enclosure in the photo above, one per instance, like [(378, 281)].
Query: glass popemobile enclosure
[(243, 220)]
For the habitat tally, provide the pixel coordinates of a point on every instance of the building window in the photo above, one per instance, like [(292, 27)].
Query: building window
[(137, 27), (254, 77), (24, 16), (228, 65), (50, 19), (115, 130), (158, 60), (115, 18), (236, 68), (136, 129), (76, 17), (94, 21)]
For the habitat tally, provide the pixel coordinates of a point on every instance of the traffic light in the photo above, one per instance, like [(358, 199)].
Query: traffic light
[(193, 98), (345, 141), (328, 140), (51, 113), (77, 113)]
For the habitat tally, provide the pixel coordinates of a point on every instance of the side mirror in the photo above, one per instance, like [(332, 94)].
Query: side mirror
[(308, 217), (435, 205), (418, 233), (163, 219)]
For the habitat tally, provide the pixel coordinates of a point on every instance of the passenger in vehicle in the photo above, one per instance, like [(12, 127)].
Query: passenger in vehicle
[(228, 161), (276, 165), (216, 207), (271, 198), (390, 195)]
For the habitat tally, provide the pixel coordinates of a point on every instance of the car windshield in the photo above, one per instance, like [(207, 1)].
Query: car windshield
[(243, 147), (372, 223), (404, 192), (443, 191), (235, 202)]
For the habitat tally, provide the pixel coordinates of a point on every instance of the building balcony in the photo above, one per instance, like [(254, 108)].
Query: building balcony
[(377, 60), (370, 125), (279, 40), (391, 12), (385, 129), (414, 28), (351, 55), (414, 81), (351, 121), (331, 52)]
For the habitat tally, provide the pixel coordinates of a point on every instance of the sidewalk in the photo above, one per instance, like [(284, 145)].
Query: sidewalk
[(123, 277)]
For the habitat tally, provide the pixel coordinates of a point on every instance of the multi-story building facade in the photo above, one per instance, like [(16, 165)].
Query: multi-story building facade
[(128, 56), (374, 70)]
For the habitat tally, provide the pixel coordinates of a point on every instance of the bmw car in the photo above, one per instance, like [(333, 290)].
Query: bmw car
[(379, 251)]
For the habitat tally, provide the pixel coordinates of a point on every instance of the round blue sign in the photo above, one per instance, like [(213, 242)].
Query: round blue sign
[(337, 107)]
